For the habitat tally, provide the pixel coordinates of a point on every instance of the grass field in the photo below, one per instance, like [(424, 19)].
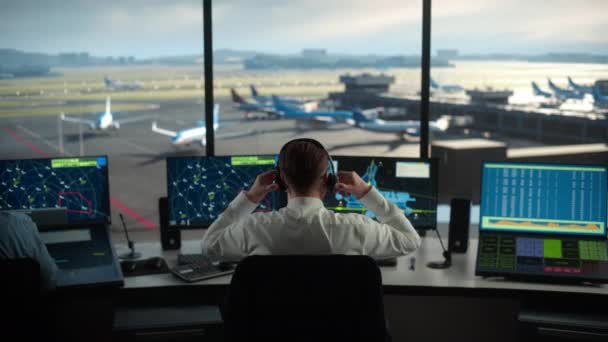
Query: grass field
[(82, 90)]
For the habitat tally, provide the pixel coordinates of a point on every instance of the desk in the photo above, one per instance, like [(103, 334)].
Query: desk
[(459, 279), (461, 303)]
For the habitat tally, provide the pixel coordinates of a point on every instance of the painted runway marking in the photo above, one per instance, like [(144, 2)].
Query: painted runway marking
[(130, 212), (26, 143), (38, 136)]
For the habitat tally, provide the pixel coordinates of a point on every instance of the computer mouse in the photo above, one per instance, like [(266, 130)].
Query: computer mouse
[(156, 263), (128, 266)]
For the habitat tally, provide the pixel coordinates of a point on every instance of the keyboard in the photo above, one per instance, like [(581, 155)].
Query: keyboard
[(196, 267), (543, 256), (194, 272), (187, 259)]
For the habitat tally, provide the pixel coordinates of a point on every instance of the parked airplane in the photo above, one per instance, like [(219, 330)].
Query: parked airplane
[(248, 107), (292, 112), (580, 88), (267, 100), (564, 94), (119, 85), (104, 120), (401, 128), (195, 134), (539, 92), (448, 88)]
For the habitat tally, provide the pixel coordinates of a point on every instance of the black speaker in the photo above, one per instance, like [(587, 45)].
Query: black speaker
[(460, 215), (170, 237)]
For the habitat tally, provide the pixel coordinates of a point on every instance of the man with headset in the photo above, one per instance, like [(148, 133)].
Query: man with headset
[(305, 226)]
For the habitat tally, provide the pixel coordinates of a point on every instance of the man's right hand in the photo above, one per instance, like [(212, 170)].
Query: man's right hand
[(350, 182), (264, 183)]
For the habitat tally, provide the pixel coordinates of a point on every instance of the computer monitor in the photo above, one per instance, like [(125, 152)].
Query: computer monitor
[(200, 188), (539, 220), (409, 183), (78, 184)]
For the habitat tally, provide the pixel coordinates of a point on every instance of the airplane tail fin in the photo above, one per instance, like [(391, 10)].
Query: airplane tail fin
[(108, 105), (552, 85), (254, 92), (536, 89), (572, 84), (359, 117), (236, 98)]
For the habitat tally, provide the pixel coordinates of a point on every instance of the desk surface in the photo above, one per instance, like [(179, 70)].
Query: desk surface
[(459, 277)]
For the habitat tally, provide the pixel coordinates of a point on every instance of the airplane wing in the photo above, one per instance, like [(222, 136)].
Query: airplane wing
[(163, 131), (133, 119), (77, 120)]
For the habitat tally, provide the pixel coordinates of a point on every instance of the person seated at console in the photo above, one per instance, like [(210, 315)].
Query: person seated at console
[(305, 226), (19, 238)]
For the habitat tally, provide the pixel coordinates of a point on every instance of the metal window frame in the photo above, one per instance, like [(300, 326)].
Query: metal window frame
[(425, 71)]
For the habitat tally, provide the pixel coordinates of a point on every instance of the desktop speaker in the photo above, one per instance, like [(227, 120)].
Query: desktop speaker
[(170, 237), (460, 214)]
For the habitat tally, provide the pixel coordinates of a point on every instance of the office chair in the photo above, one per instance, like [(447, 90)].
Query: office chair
[(306, 298)]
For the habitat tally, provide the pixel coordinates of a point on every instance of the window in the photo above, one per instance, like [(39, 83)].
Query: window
[(70, 56), (523, 76), (325, 62)]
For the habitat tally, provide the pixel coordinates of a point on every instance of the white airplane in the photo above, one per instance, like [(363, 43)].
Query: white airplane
[(104, 120), (120, 85), (196, 134), (401, 128)]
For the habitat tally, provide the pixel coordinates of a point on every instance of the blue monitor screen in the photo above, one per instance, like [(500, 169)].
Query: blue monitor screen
[(411, 184), (200, 188), (544, 198), (80, 185)]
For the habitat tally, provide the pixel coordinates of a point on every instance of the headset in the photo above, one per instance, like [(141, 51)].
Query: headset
[(332, 178)]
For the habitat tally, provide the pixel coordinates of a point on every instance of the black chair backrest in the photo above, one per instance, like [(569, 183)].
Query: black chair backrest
[(21, 299), (303, 298), (20, 276)]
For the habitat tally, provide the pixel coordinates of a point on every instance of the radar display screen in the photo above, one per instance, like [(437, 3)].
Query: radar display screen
[(411, 184), (80, 185), (199, 189)]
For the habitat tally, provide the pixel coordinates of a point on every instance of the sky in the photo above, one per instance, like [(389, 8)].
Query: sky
[(151, 28)]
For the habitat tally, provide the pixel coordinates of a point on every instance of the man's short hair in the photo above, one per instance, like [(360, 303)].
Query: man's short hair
[(302, 163)]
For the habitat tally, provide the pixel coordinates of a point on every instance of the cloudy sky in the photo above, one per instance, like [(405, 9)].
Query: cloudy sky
[(145, 28)]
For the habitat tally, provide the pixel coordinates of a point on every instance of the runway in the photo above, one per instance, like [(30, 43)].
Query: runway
[(136, 154)]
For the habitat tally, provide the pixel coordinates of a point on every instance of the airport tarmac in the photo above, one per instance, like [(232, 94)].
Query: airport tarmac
[(136, 154)]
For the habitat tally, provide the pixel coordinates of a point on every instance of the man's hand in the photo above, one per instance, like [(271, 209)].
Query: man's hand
[(350, 182), (263, 184)]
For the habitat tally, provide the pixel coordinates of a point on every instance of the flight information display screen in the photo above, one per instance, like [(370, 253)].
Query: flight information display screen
[(411, 184), (80, 185), (543, 220), (200, 188), (539, 198)]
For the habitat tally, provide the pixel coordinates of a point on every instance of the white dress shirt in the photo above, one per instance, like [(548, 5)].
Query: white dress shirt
[(305, 226)]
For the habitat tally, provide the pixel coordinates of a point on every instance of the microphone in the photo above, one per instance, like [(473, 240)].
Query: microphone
[(447, 263), (133, 254)]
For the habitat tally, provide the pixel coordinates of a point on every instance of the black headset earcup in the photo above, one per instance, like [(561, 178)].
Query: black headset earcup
[(279, 181), (332, 180)]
